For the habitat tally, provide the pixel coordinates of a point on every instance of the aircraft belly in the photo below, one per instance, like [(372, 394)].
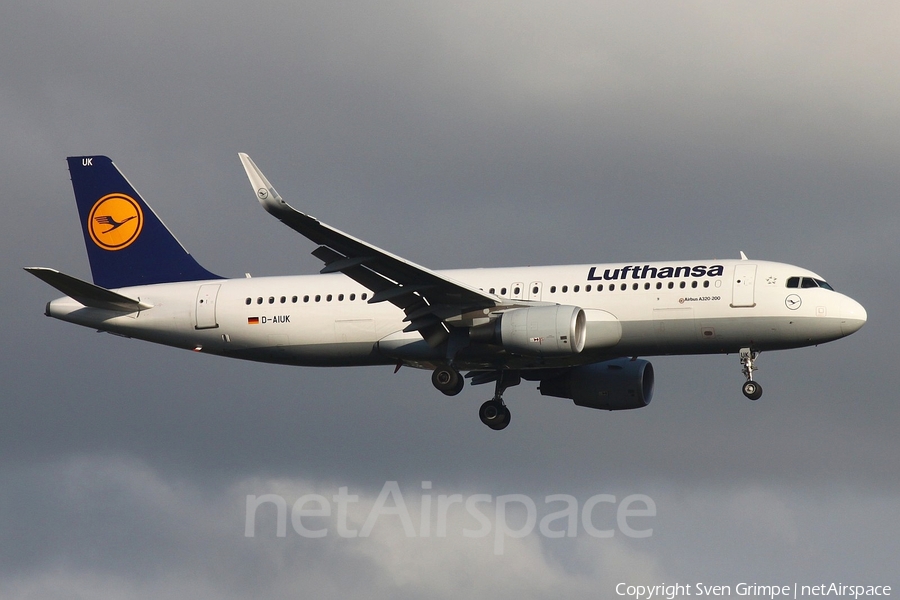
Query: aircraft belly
[(725, 334), (313, 355), (304, 338)]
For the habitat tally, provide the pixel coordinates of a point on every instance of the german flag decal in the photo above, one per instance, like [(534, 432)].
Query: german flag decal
[(252, 320)]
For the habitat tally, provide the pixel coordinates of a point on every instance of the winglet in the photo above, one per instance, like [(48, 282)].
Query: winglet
[(86, 293), (265, 192)]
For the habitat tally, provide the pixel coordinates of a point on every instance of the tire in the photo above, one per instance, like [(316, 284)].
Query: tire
[(752, 390), (494, 414), (448, 381)]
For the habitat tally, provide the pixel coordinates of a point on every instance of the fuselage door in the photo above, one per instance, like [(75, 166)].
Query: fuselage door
[(534, 290), (743, 286), (205, 312), (516, 290)]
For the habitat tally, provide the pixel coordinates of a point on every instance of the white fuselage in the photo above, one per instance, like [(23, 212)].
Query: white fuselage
[(633, 309)]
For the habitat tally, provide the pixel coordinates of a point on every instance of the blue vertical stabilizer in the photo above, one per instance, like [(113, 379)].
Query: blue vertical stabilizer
[(126, 242)]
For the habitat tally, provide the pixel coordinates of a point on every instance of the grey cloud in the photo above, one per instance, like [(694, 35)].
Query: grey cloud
[(455, 135)]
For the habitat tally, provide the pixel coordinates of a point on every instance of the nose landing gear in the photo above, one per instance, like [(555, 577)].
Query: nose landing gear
[(751, 388)]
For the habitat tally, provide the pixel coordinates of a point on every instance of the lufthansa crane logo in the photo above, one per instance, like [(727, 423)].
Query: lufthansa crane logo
[(115, 221)]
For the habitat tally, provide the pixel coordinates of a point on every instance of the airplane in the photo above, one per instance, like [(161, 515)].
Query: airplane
[(577, 330)]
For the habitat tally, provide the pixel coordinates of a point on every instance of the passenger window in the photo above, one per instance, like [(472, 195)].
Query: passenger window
[(587, 288), (249, 300), (624, 286), (693, 284), (576, 288), (516, 291), (502, 291), (647, 286), (706, 284), (271, 299), (634, 287), (352, 297), (306, 298), (659, 285), (565, 289), (552, 289), (364, 296), (599, 287), (259, 300), (294, 300), (681, 285), (328, 298), (283, 299), (318, 298), (671, 284)]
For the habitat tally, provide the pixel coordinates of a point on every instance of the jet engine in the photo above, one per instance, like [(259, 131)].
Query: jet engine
[(610, 385), (537, 331)]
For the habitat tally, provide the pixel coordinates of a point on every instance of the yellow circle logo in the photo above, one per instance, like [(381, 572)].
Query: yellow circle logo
[(115, 221)]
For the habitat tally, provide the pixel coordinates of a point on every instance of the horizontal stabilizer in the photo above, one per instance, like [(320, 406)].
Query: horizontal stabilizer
[(86, 293)]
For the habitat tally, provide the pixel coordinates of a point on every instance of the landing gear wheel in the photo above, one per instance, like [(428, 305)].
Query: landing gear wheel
[(447, 380), (752, 390), (494, 414)]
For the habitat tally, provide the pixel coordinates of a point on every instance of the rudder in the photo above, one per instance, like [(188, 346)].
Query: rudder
[(127, 244)]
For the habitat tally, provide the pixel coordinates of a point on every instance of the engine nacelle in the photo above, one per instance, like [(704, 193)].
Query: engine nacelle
[(611, 385), (543, 330)]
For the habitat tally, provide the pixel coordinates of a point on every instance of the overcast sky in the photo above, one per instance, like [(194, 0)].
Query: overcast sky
[(456, 134)]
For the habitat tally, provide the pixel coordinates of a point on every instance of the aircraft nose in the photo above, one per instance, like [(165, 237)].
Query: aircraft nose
[(853, 316)]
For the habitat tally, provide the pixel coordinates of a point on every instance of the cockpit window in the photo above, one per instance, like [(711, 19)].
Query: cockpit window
[(807, 282)]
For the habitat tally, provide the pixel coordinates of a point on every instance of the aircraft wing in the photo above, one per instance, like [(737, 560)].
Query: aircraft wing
[(427, 297)]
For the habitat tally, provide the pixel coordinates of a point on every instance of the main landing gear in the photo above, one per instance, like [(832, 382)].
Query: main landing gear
[(494, 412), (751, 388), (447, 380)]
